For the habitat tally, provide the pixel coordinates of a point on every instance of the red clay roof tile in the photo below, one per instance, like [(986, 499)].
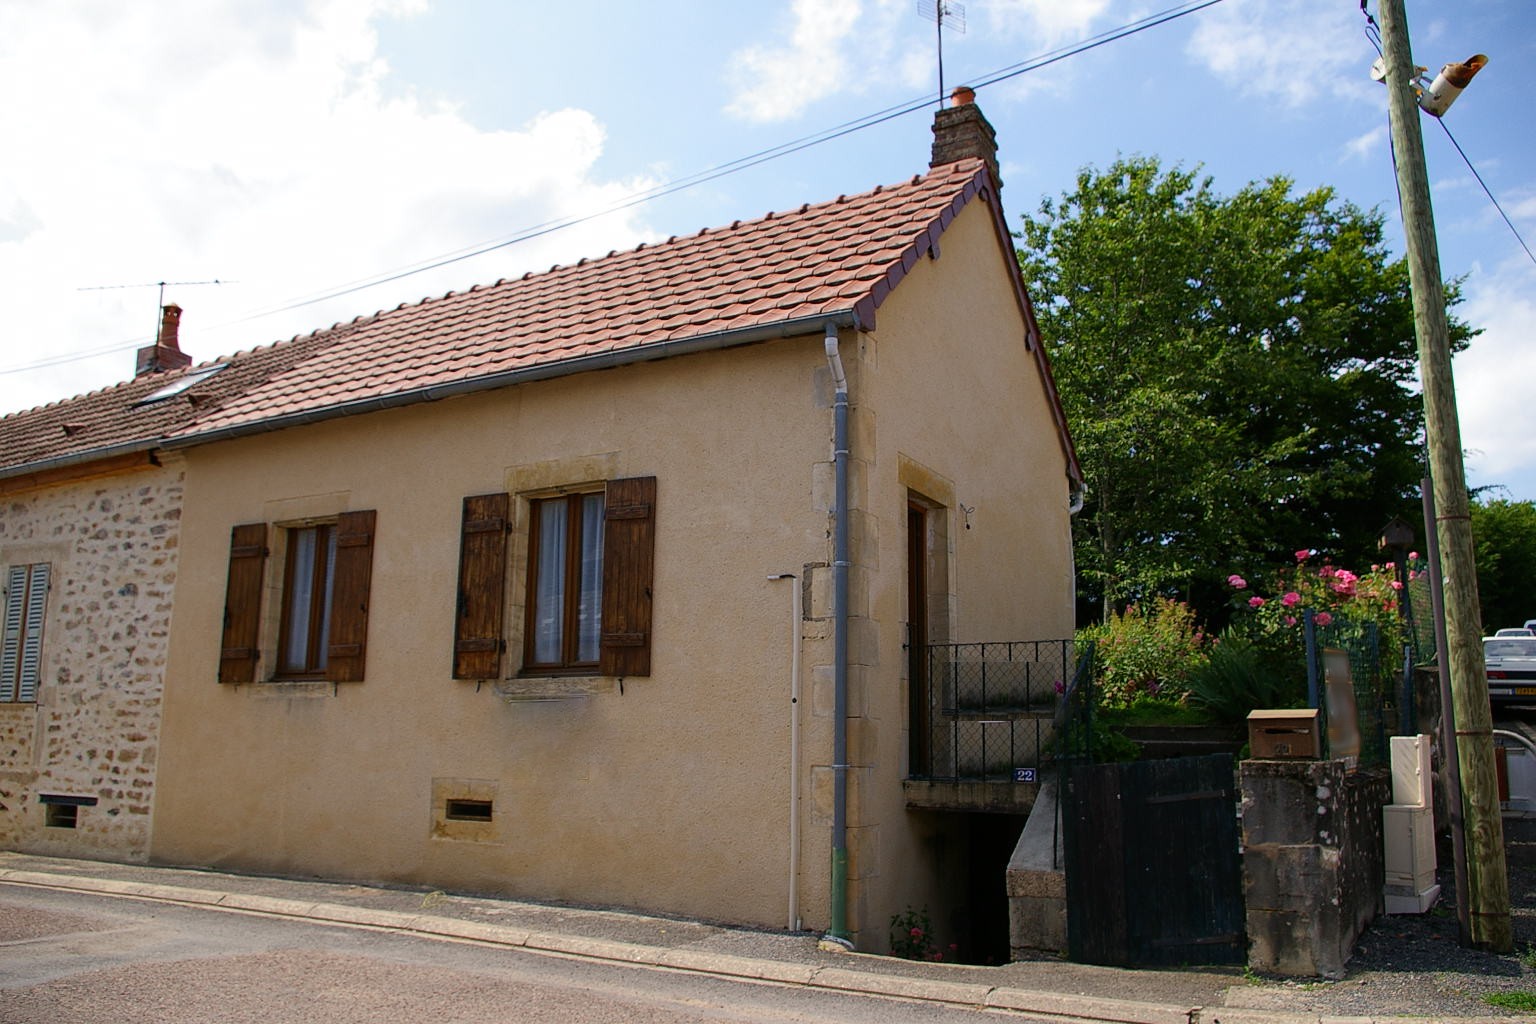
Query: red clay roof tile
[(818, 260)]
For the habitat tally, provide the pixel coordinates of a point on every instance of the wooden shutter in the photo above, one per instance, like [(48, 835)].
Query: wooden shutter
[(15, 616), (240, 648), (349, 597), (21, 642), (32, 643), (477, 639), (629, 555)]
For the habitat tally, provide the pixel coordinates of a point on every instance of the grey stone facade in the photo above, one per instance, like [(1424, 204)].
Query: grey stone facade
[(77, 767)]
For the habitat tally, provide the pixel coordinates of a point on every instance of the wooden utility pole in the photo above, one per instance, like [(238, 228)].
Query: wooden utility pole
[(1487, 896)]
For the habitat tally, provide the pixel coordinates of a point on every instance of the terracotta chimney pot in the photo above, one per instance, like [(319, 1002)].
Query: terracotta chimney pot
[(165, 353)]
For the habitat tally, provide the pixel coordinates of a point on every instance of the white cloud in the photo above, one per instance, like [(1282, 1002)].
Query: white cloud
[(1044, 23), (1498, 419), (1521, 207), (260, 143), (775, 83), (1296, 52), (832, 48), (1367, 146)]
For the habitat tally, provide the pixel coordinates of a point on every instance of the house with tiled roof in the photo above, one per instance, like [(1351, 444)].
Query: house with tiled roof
[(90, 510), (618, 584)]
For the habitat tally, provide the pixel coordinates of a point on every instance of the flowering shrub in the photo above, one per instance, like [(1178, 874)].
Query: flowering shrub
[(1146, 651), (1328, 591), (912, 938), (1259, 661)]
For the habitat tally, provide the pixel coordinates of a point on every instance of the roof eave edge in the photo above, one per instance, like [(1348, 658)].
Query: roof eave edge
[(547, 371), (81, 458)]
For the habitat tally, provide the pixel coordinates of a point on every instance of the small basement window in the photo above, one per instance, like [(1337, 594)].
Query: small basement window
[(467, 810), (61, 811)]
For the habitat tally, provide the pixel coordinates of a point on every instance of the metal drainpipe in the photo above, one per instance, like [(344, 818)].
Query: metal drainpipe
[(837, 931)]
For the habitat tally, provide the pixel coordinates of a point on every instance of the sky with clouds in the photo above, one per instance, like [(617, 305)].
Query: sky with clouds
[(298, 151)]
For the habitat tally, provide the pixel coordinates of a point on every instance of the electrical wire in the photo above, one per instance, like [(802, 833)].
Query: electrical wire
[(1373, 33), (740, 163), (1486, 190), (688, 181)]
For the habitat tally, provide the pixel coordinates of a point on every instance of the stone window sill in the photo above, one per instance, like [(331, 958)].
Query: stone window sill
[(537, 688)]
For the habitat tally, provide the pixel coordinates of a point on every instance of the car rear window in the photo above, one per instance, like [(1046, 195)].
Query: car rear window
[(1510, 648)]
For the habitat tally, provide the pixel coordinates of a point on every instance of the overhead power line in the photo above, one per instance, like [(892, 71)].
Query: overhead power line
[(1486, 190), (676, 185), (742, 163)]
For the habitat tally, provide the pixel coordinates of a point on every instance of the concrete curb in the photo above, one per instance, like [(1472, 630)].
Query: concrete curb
[(1054, 1005)]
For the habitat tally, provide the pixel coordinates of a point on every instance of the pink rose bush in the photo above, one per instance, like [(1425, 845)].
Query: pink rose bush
[(1330, 592), (1161, 651)]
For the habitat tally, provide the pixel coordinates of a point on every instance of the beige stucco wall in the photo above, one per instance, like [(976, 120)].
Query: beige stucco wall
[(671, 793), (950, 409), (94, 730)]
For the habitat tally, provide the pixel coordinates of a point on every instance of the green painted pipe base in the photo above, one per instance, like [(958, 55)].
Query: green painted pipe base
[(838, 928)]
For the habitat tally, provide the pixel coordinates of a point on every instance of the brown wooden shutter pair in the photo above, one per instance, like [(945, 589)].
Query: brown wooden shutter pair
[(629, 542), (241, 646), (629, 566)]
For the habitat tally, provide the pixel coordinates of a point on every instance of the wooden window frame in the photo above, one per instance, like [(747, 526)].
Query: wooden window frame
[(321, 582), (623, 596), (569, 661), (342, 620)]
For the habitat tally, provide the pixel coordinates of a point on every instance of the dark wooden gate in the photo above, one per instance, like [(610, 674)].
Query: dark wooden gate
[(1154, 873)]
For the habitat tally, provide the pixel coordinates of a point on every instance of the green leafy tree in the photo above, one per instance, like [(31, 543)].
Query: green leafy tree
[(1238, 374), (1504, 533)]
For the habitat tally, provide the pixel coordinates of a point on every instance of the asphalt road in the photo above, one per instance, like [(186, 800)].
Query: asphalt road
[(82, 959)]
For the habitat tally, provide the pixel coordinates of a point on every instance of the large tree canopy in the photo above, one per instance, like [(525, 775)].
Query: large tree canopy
[(1504, 533), (1238, 374)]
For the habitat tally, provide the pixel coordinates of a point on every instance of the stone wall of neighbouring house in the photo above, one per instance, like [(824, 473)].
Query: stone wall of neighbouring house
[(1312, 862), (90, 741)]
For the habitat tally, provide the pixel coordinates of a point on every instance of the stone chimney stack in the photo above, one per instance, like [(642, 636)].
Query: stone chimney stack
[(960, 131), (165, 353)]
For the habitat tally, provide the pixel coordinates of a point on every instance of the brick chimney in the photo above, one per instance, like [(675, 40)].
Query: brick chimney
[(165, 353), (960, 130)]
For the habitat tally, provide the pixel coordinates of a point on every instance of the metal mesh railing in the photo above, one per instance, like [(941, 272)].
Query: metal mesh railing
[(1353, 677), (989, 709)]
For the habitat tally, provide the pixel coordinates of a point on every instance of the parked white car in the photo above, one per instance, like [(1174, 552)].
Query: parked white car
[(1511, 664)]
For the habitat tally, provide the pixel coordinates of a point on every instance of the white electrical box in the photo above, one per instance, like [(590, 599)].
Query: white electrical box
[(1410, 771), (1522, 781), (1410, 847)]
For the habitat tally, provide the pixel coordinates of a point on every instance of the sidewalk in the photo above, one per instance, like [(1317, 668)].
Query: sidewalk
[(1049, 988)]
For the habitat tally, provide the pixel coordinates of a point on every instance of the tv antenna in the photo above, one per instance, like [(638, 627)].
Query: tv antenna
[(159, 298), (943, 14)]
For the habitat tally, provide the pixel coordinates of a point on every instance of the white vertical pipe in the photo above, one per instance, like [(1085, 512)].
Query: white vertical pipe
[(794, 749)]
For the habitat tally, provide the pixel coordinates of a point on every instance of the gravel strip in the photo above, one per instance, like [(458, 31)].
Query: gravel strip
[(1413, 964)]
